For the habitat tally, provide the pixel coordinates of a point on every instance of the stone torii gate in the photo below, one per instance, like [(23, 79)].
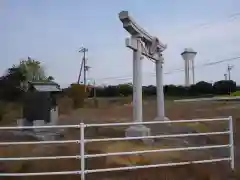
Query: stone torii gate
[(143, 44)]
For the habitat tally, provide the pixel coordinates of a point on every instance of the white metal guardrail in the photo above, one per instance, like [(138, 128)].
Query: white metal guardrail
[(82, 156), (230, 98)]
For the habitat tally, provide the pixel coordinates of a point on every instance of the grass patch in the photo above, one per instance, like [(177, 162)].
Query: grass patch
[(134, 159), (236, 93), (198, 126), (140, 159)]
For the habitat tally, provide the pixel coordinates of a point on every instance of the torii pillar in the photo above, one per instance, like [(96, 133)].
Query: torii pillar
[(160, 90), (137, 130)]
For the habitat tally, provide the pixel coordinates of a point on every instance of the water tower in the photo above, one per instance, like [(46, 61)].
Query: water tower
[(188, 56)]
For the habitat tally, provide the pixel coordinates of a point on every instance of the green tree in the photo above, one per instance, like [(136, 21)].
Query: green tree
[(149, 90), (32, 70), (125, 89), (203, 87), (14, 81), (224, 87), (10, 84)]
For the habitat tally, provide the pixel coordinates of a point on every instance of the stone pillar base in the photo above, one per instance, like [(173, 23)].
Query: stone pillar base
[(23, 123), (138, 131), (161, 119)]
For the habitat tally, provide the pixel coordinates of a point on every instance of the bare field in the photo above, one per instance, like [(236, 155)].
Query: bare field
[(118, 110)]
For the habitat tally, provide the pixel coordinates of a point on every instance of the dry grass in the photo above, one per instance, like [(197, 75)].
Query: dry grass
[(11, 112), (195, 171), (117, 112), (65, 105), (140, 159)]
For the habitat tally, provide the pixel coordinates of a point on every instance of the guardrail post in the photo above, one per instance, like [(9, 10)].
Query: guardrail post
[(231, 141), (82, 150)]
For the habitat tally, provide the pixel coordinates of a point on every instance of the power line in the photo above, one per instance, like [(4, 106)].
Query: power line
[(192, 29), (207, 24), (173, 70)]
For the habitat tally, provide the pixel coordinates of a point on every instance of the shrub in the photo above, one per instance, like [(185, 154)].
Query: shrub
[(78, 94)]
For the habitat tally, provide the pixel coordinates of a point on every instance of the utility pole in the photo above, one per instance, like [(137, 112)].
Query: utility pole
[(94, 90), (225, 77), (95, 94), (229, 68), (80, 72), (83, 66)]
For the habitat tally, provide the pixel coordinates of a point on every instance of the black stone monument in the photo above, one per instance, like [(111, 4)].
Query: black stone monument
[(39, 100)]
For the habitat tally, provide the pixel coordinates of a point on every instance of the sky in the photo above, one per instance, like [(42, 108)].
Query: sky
[(52, 31)]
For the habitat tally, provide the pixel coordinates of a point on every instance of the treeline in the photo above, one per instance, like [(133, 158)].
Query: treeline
[(12, 81), (201, 88), (11, 85)]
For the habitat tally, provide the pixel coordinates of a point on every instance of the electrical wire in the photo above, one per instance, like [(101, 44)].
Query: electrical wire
[(173, 70), (207, 24), (230, 17)]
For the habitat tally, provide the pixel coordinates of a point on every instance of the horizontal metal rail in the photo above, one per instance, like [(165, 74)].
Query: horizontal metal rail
[(157, 136), (111, 124), (156, 165), (155, 150), (40, 173), (155, 122), (39, 142), (82, 156), (40, 127), (39, 158), (208, 99)]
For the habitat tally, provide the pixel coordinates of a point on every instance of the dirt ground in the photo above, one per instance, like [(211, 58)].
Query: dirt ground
[(121, 111)]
